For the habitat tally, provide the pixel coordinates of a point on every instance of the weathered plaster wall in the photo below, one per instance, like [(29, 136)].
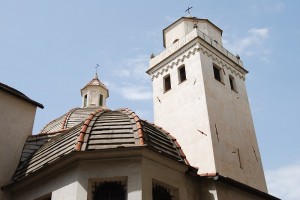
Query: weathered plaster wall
[(16, 122), (233, 135), (226, 192)]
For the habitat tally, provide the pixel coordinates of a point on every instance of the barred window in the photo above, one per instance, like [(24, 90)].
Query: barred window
[(45, 197), (161, 193), (109, 190)]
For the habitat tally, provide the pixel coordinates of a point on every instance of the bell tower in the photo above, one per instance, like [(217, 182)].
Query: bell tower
[(200, 97), (94, 94)]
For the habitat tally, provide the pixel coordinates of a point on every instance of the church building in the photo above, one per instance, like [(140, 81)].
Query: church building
[(201, 146)]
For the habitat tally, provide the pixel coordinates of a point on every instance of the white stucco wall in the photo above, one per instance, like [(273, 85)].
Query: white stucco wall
[(186, 25), (230, 115), (183, 112), (174, 178), (225, 192), (138, 173), (211, 31), (75, 181), (16, 123)]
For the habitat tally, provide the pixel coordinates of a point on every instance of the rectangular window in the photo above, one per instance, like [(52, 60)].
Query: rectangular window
[(85, 101), (167, 83), (182, 74), (100, 100), (232, 83), (218, 73)]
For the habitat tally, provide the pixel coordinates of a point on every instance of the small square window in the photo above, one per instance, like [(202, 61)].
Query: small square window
[(181, 74), (167, 83), (232, 83)]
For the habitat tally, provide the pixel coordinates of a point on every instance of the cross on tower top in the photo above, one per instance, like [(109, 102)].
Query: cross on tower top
[(97, 70), (188, 10)]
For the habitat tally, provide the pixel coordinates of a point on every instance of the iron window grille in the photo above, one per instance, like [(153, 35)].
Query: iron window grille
[(161, 193), (109, 190)]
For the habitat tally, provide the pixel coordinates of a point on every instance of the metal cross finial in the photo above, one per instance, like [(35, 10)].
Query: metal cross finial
[(188, 10), (97, 70)]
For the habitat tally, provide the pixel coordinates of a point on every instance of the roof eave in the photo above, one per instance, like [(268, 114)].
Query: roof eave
[(19, 95), (77, 156), (239, 185)]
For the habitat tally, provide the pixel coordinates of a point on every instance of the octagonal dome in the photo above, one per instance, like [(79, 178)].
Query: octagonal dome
[(92, 129)]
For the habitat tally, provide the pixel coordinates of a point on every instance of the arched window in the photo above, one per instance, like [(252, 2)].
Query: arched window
[(113, 190)]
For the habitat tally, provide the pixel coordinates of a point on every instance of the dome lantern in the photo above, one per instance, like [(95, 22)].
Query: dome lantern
[(94, 94)]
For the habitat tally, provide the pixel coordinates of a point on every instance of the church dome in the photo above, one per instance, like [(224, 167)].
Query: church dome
[(93, 129)]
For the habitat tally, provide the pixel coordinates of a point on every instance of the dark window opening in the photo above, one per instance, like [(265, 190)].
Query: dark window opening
[(217, 73), (100, 100), (85, 101), (113, 190), (161, 193), (167, 83), (232, 83), (45, 197), (182, 74)]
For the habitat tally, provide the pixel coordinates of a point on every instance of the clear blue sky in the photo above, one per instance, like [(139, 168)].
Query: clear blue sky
[(48, 50)]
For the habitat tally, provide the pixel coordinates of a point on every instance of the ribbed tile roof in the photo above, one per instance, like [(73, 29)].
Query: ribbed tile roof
[(92, 129), (68, 120)]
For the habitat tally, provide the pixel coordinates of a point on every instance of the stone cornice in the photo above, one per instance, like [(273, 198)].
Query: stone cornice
[(197, 47), (222, 63)]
